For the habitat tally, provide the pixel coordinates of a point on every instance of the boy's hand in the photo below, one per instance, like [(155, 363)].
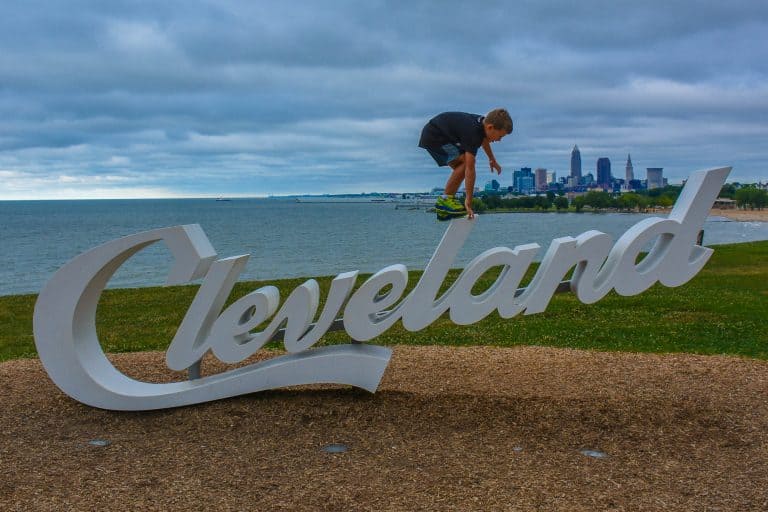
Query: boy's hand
[(495, 166), (468, 206)]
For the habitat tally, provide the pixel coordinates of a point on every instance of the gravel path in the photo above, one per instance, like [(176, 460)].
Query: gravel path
[(479, 428)]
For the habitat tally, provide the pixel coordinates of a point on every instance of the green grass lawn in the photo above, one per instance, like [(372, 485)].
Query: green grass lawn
[(723, 310)]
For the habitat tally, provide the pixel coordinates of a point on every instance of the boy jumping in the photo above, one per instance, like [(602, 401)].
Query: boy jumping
[(453, 138)]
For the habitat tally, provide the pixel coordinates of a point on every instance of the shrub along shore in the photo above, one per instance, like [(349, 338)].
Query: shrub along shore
[(723, 310)]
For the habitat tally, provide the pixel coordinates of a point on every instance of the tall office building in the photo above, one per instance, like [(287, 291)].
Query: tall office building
[(604, 173), (655, 178), (630, 173), (523, 180), (576, 166), (541, 179)]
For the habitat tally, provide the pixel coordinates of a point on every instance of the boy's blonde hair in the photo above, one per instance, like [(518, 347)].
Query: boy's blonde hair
[(500, 119)]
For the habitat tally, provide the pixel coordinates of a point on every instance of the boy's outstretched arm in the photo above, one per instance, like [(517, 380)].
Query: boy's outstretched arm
[(469, 182), (491, 159)]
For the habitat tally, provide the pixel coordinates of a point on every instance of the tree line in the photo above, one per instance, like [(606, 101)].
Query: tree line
[(594, 199), (746, 196)]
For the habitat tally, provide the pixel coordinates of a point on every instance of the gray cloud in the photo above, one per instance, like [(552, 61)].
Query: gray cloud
[(226, 97)]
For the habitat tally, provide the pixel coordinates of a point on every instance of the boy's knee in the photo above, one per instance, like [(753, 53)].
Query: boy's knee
[(453, 164)]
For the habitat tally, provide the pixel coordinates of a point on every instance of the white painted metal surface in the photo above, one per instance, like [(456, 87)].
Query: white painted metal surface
[(65, 313)]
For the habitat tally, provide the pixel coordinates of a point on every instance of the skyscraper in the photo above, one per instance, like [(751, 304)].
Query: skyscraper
[(540, 177), (630, 173), (604, 173), (655, 178), (523, 180), (576, 165)]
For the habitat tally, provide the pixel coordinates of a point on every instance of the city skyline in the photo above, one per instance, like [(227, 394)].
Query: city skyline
[(576, 168), (196, 99)]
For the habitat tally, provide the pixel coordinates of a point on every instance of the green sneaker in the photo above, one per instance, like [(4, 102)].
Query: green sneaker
[(450, 206)]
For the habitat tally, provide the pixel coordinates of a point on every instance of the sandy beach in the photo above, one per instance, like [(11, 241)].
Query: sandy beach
[(742, 215), (479, 428)]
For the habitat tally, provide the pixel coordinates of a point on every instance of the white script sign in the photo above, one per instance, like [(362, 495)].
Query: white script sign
[(65, 312)]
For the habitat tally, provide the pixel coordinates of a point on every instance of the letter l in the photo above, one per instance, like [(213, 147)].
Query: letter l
[(188, 345)]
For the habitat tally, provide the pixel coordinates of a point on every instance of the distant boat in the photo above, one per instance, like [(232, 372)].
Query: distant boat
[(223, 199)]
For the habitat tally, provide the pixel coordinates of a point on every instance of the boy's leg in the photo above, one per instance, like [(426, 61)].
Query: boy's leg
[(448, 207), (457, 176), (450, 155)]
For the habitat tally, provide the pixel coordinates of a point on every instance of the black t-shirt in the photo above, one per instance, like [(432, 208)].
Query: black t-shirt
[(465, 131)]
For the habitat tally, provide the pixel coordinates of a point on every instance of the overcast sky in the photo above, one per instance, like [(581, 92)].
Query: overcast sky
[(162, 99)]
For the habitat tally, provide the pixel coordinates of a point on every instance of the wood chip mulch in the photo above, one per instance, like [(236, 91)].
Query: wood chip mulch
[(481, 428)]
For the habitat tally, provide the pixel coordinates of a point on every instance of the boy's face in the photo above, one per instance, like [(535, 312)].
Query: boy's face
[(494, 134)]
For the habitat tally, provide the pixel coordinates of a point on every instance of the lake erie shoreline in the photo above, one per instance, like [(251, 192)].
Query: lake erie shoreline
[(741, 215), (731, 214)]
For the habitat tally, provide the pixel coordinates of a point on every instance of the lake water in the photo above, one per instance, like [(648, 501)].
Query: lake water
[(284, 238)]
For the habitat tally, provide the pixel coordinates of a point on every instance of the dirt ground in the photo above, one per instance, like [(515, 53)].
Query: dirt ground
[(480, 428)]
